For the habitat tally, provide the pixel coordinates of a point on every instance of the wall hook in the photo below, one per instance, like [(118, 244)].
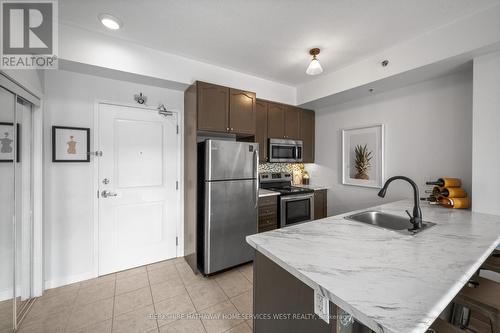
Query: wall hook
[(162, 110)]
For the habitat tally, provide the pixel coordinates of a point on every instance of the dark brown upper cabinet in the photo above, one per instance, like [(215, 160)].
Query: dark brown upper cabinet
[(242, 111), (261, 128), (222, 109), (283, 122), (292, 123), (307, 132), (276, 121), (213, 107)]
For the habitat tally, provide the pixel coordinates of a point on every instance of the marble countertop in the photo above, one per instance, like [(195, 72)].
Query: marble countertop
[(266, 193), (388, 281)]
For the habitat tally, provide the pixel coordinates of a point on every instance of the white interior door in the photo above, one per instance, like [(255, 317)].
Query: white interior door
[(138, 200)]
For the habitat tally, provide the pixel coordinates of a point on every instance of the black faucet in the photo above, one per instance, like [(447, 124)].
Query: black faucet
[(416, 219)]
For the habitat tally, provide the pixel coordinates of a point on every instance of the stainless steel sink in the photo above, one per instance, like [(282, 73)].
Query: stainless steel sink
[(388, 221)]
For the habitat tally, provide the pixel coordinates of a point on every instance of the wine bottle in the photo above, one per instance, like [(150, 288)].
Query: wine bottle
[(446, 182), (436, 190), (453, 192), (463, 203), (432, 200)]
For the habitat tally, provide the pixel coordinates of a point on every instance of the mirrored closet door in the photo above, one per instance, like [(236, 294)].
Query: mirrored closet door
[(16, 205), (7, 209), (24, 207)]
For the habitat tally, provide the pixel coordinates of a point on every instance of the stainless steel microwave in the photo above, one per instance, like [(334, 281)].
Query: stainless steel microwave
[(287, 151)]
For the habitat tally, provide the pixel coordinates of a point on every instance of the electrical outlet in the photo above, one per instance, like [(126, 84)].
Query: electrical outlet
[(321, 306)]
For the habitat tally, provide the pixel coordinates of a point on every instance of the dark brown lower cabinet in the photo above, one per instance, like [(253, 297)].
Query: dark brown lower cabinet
[(320, 204), (268, 213), (284, 304)]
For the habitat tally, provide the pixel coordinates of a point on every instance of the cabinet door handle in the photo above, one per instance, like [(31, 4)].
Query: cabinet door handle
[(232, 129), (227, 129)]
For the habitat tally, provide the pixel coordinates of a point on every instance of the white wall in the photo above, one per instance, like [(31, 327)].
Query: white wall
[(486, 134), (30, 79), (462, 38), (427, 135), (95, 49), (69, 190)]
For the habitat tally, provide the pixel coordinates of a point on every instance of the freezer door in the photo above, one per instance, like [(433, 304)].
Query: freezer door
[(227, 160), (230, 216)]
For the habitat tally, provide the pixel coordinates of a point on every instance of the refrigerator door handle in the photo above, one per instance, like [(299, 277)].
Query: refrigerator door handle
[(208, 227), (256, 175)]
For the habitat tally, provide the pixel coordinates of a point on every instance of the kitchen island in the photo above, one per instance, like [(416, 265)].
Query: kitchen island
[(388, 281)]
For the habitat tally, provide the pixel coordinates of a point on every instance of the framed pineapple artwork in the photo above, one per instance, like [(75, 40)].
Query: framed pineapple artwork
[(363, 156), (70, 144)]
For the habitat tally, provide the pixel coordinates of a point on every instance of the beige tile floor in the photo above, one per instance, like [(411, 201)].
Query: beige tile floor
[(162, 297)]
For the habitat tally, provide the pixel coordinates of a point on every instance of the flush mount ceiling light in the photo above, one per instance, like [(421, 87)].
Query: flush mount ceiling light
[(314, 67), (109, 21)]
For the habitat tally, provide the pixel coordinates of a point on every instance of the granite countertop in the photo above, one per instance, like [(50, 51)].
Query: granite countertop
[(388, 281), (313, 187), (266, 193)]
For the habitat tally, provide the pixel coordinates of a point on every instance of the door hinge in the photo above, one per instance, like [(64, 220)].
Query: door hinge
[(177, 129), (97, 194), (176, 241), (97, 153), (177, 185)]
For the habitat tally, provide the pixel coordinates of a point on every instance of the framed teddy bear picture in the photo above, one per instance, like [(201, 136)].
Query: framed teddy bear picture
[(70, 144), (8, 145)]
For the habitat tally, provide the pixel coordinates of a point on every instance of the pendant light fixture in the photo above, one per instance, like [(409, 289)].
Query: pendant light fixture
[(314, 67)]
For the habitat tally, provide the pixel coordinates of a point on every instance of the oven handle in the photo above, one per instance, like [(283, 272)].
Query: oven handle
[(297, 197)]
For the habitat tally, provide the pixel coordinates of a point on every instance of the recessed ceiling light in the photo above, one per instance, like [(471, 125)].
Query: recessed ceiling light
[(111, 22), (314, 67)]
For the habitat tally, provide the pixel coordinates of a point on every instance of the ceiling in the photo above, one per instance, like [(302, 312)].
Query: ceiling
[(270, 38)]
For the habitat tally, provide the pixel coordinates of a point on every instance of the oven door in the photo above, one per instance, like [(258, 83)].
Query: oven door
[(285, 151), (296, 209)]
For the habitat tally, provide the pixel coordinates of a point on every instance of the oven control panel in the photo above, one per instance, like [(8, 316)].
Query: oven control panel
[(269, 177)]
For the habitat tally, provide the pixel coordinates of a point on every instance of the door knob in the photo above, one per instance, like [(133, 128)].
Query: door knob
[(106, 194)]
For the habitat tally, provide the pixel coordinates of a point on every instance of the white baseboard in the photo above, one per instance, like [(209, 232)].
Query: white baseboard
[(5, 294), (59, 282)]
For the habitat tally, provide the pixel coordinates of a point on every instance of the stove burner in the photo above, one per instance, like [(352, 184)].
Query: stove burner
[(290, 190)]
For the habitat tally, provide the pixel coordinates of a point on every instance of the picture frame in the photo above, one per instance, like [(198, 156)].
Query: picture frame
[(7, 152), (363, 156), (70, 144)]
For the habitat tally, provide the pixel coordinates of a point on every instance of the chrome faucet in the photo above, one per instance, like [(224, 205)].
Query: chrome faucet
[(416, 219)]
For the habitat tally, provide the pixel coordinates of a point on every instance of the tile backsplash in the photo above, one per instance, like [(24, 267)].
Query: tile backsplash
[(281, 167)]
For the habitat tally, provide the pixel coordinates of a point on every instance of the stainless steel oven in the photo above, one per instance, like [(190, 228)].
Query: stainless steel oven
[(296, 208), (288, 151)]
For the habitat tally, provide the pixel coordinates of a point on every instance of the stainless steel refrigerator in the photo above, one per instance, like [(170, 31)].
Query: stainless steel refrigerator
[(228, 194)]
